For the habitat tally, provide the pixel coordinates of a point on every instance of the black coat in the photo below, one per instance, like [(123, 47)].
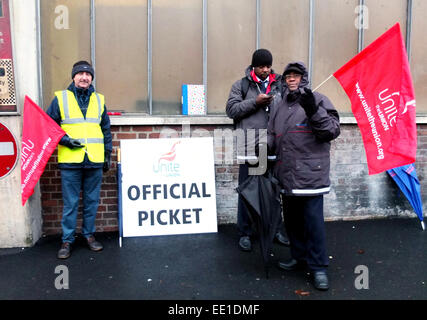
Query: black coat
[(247, 115)]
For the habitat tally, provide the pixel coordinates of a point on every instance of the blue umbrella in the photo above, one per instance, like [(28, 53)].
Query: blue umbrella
[(407, 180)]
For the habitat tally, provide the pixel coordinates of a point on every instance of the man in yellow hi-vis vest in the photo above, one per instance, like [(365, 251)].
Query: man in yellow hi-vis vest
[(83, 153)]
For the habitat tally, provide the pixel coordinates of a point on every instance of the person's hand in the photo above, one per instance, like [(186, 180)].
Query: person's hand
[(74, 143), (263, 100), (308, 103), (293, 96), (107, 162)]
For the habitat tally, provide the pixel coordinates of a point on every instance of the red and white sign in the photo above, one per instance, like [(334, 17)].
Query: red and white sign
[(168, 186), (8, 151)]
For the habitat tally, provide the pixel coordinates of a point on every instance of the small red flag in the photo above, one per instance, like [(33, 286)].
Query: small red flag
[(40, 136), (379, 84)]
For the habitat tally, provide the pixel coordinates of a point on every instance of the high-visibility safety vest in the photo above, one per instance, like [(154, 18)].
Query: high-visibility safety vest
[(87, 131)]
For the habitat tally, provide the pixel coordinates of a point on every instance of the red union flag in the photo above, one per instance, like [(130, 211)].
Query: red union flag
[(379, 85), (40, 136)]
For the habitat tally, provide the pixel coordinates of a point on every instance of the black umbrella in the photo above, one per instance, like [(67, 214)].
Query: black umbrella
[(261, 195)]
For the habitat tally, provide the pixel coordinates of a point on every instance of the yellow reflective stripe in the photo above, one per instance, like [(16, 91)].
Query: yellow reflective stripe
[(96, 104), (98, 98), (80, 120), (94, 140), (65, 104)]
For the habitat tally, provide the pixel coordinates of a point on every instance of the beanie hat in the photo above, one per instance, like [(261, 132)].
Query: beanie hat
[(82, 66), (293, 68), (262, 57)]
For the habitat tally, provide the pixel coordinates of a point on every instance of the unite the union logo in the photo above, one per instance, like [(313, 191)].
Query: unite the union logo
[(166, 164)]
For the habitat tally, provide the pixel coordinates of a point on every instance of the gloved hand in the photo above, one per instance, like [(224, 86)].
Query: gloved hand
[(74, 143), (308, 103), (293, 96), (107, 161)]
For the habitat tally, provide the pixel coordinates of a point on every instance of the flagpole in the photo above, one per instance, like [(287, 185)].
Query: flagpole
[(119, 196), (323, 82)]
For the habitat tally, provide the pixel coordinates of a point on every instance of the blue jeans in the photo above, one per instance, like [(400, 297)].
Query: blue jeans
[(73, 181)]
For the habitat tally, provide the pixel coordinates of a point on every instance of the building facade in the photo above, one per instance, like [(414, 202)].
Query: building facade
[(144, 50)]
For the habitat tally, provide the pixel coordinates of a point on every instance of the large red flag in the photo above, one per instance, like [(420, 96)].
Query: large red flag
[(379, 84), (40, 136)]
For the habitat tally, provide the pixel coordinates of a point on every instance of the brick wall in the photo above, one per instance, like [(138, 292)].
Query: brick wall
[(354, 193)]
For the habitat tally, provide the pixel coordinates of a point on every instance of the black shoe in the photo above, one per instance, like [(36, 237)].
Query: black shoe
[(292, 265), (320, 280), (280, 238), (65, 251), (245, 243), (93, 244)]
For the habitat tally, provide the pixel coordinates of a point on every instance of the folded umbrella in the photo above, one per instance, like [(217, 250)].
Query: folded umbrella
[(407, 180), (261, 195)]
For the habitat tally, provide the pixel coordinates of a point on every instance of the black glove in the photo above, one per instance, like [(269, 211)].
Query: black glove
[(107, 161), (308, 103), (293, 96), (74, 143)]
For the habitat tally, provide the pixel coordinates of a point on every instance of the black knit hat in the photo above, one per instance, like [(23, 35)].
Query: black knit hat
[(262, 57), (293, 68), (82, 66)]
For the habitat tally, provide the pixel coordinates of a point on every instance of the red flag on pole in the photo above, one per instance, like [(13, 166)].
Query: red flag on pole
[(40, 136), (379, 84)]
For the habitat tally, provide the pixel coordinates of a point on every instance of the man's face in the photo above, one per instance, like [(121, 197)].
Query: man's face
[(293, 80), (82, 80), (262, 72)]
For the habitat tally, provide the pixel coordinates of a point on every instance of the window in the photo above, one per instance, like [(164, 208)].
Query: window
[(334, 46), (144, 50), (177, 51), (65, 28), (231, 41), (121, 54), (284, 31)]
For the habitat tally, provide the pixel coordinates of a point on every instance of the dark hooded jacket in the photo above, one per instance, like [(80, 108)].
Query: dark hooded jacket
[(246, 114), (302, 144)]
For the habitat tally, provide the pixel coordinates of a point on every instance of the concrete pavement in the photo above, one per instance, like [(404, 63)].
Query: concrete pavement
[(369, 260)]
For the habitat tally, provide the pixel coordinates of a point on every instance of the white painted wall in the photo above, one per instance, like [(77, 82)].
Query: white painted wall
[(21, 226)]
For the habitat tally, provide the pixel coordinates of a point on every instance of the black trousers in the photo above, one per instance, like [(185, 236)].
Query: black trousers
[(305, 226), (243, 220)]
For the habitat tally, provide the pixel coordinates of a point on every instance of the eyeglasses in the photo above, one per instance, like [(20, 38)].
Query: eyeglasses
[(293, 76)]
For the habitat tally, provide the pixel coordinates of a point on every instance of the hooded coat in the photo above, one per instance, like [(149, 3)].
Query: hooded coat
[(301, 144), (246, 114)]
